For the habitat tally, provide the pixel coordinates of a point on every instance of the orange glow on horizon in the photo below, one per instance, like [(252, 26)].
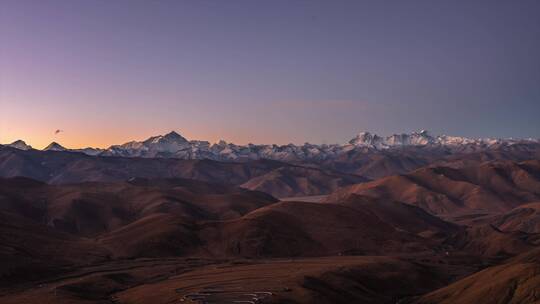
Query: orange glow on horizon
[(74, 139)]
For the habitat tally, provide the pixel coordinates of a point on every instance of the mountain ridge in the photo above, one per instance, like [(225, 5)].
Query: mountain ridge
[(174, 145)]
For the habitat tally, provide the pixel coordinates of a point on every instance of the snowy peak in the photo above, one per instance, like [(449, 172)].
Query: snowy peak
[(167, 145), (366, 139), (171, 138), (421, 138), (54, 146), (424, 138), (174, 145), (89, 151), (19, 144)]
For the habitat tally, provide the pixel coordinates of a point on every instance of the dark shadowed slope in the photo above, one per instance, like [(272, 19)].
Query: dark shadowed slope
[(58, 167), (47, 229), (313, 229), (370, 280), (488, 241), (515, 282), (402, 216), (29, 250), (273, 177), (89, 209), (178, 217), (481, 239)]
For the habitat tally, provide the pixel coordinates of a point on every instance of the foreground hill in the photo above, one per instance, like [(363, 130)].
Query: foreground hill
[(371, 280), (175, 239), (482, 238), (311, 229), (29, 250), (346, 279), (283, 229), (46, 228), (180, 217), (514, 282), (491, 187)]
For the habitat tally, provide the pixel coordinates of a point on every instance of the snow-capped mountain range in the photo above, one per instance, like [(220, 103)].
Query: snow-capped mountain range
[(422, 138), (174, 145)]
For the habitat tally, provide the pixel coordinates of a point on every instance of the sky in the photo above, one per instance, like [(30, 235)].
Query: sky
[(107, 72)]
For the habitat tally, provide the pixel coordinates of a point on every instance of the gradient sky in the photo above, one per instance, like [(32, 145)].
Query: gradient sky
[(107, 72)]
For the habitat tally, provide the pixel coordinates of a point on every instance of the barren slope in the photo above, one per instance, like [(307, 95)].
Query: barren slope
[(493, 187)]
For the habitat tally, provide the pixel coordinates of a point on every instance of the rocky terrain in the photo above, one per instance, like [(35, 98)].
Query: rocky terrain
[(392, 220)]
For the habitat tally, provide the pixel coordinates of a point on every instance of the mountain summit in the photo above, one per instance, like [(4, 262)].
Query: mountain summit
[(367, 139), (169, 138), (19, 144), (173, 136), (167, 145), (54, 146)]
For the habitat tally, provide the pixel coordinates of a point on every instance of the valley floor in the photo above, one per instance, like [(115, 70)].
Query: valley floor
[(340, 279)]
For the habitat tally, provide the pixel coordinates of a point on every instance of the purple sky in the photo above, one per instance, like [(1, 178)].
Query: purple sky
[(266, 71)]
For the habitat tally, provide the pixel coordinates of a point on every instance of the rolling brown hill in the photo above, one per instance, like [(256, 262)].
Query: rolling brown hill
[(345, 279), (488, 241), (515, 282), (49, 228), (285, 229), (313, 229), (274, 177), (371, 280), (375, 164), (57, 167), (89, 209), (492, 187), (402, 216), (300, 181), (122, 241), (524, 218), (466, 158), (179, 217)]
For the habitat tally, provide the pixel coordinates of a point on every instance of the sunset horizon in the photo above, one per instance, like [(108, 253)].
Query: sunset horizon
[(111, 72), (58, 138)]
